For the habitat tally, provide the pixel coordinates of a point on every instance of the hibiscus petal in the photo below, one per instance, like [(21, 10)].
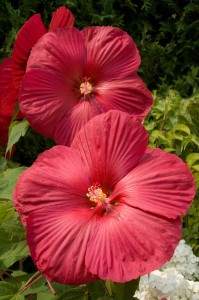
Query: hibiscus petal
[(161, 184), (58, 239), (62, 17), (27, 37), (61, 51), (56, 178), (111, 144), (8, 99), (130, 96), (44, 100), (73, 121), (128, 243), (111, 53)]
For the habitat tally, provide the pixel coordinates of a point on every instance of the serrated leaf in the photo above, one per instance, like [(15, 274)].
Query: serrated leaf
[(12, 252), (13, 246), (182, 127), (18, 129), (9, 291), (6, 211), (8, 179)]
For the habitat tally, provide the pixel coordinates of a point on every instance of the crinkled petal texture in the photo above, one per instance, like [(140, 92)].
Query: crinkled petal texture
[(8, 99), (73, 240), (107, 56)]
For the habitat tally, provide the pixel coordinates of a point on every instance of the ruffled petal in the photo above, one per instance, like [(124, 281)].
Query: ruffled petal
[(130, 96), (58, 238), (57, 178), (8, 99), (111, 144), (61, 51), (128, 243), (61, 18), (27, 37), (44, 100), (111, 53), (161, 184)]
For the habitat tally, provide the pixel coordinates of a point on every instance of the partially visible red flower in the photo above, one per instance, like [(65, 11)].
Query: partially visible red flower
[(13, 68), (8, 98), (30, 33), (75, 75), (108, 207)]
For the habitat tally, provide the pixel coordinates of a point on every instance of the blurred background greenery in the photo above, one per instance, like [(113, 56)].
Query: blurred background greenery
[(166, 33)]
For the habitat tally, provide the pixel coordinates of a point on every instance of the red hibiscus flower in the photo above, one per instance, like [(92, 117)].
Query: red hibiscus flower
[(75, 75), (108, 207), (8, 99), (13, 68)]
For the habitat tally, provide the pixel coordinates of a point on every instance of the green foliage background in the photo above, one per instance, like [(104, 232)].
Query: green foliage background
[(166, 33)]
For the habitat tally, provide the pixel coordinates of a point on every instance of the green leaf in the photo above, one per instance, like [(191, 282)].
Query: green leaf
[(126, 290), (3, 163), (46, 296), (195, 168), (175, 136), (77, 293), (192, 158), (6, 211), (170, 150), (13, 246), (10, 252), (18, 129), (9, 291), (8, 179), (105, 298), (196, 176), (182, 127), (110, 286)]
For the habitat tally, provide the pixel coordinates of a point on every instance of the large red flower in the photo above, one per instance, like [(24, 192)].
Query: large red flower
[(107, 207), (75, 75), (13, 68)]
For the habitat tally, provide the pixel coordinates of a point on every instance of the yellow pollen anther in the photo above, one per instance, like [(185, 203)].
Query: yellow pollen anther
[(96, 195), (86, 87)]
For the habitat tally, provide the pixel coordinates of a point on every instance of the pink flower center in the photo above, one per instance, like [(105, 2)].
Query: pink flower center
[(96, 195), (86, 87)]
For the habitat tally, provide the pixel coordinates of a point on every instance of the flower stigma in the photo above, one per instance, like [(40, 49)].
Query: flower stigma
[(86, 87), (96, 195)]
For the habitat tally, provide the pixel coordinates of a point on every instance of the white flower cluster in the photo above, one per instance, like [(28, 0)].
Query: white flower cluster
[(184, 261), (175, 281)]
